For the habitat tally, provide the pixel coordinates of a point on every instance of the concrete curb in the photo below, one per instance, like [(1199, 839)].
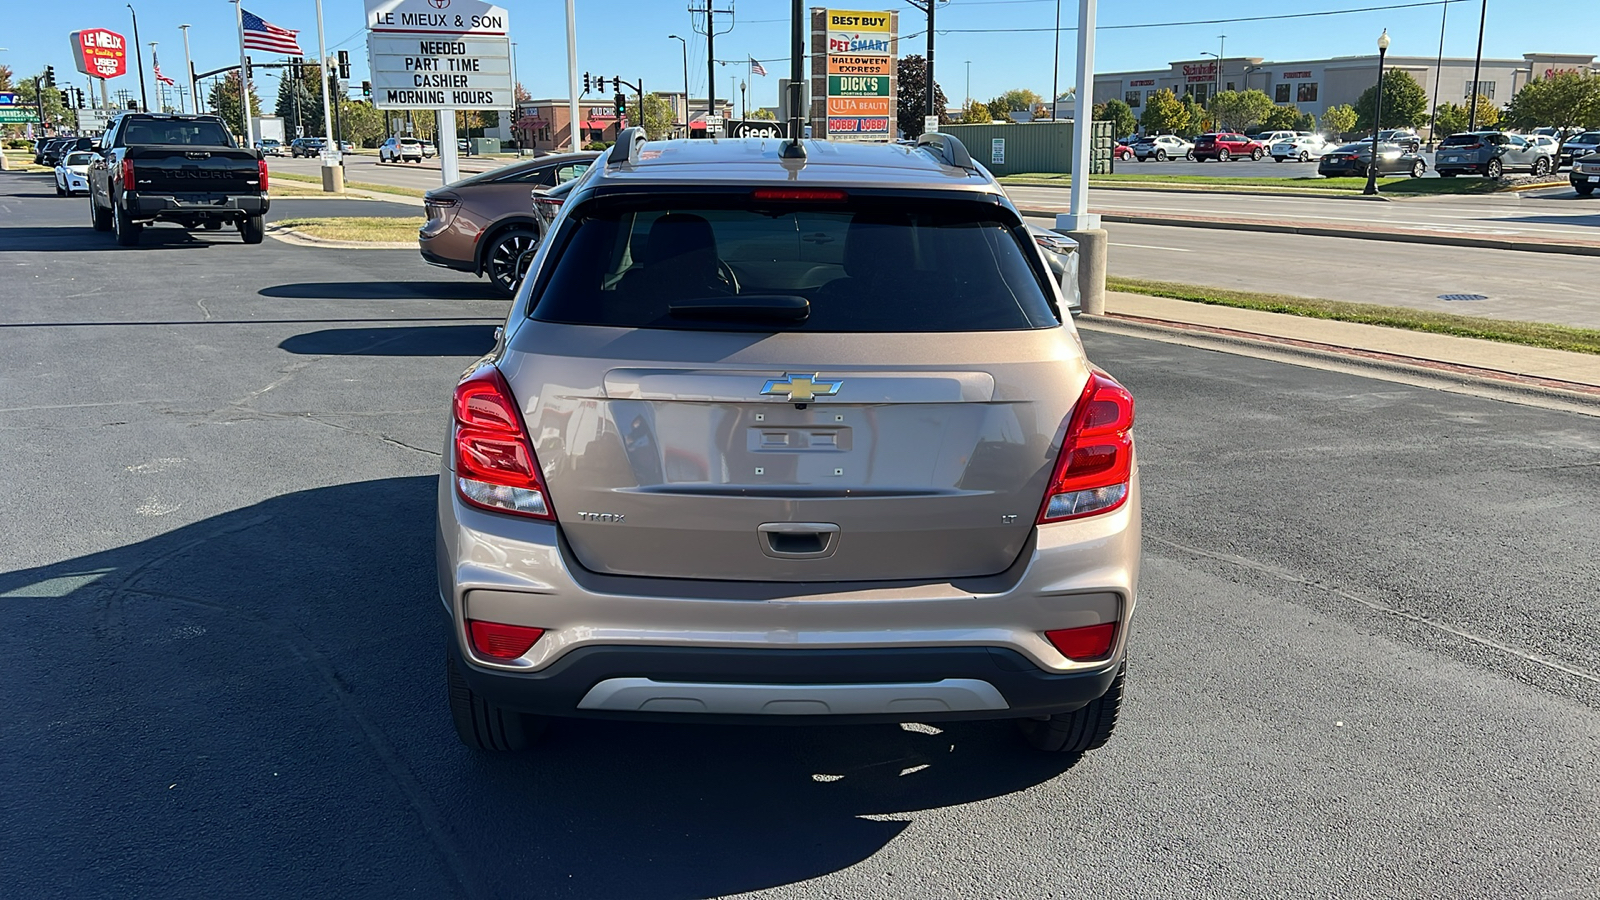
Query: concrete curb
[(1511, 387), (301, 239), (1405, 237)]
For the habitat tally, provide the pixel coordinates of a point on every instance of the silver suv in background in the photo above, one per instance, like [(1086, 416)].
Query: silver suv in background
[(788, 432), (1491, 154)]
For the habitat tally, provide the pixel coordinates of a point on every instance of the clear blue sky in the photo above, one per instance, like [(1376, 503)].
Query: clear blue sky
[(629, 37)]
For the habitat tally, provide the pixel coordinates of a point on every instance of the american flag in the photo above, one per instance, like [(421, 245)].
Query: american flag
[(259, 34), (156, 64), (756, 68)]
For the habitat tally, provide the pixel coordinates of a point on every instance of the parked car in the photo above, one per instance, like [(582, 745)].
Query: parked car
[(1225, 145), (1122, 151), (1301, 147), (184, 169), (1267, 139), (486, 224), (41, 150), (270, 147), (1546, 142), (1490, 154), (400, 149), (1579, 146), (758, 451), (1356, 159), (1061, 255), (72, 173), (429, 149), (463, 146), (1585, 174), (1405, 137), (1162, 148), (58, 148)]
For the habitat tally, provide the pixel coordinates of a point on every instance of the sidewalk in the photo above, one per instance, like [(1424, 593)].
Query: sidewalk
[(1553, 373)]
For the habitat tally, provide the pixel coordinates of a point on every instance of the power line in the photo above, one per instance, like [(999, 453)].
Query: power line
[(1282, 16)]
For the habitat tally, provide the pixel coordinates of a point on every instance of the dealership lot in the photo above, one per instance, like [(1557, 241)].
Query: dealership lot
[(1367, 650)]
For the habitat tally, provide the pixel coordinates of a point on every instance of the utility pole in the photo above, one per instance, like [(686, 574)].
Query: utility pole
[(927, 6), (138, 54), (573, 126), (1055, 71), (711, 54), (685, 43), (1477, 62)]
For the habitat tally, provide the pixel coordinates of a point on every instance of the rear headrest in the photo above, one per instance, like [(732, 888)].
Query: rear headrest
[(682, 240)]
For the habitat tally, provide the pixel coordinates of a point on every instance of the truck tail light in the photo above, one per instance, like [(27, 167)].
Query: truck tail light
[(1095, 467), (261, 168), (127, 175), (494, 463)]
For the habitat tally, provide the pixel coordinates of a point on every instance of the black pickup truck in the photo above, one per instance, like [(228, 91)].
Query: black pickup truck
[(182, 169)]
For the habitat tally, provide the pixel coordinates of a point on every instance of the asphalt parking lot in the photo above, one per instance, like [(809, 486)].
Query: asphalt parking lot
[(1366, 660)]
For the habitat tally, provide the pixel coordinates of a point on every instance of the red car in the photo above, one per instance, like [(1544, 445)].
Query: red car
[(1122, 151), (1225, 145)]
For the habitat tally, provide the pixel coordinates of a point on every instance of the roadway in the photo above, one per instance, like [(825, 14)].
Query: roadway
[(1366, 660)]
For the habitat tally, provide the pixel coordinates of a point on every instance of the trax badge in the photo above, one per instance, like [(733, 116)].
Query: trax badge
[(800, 388)]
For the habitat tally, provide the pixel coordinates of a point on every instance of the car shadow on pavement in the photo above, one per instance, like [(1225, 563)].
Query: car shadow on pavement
[(253, 705), (80, 238), (411, 340), (383, 290)]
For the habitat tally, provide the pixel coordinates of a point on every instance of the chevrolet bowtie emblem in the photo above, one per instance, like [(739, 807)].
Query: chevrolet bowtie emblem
[(800, 388)]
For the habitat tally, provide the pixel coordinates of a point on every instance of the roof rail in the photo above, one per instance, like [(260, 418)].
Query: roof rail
[(627, 147), (947, 149)]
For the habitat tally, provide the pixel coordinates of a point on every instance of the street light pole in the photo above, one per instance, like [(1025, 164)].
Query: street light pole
[(1477, 62), (1222, 43), (968, 102), (138, 54), (1377, 117), (1055, 69), (188, 62), (685, 43)]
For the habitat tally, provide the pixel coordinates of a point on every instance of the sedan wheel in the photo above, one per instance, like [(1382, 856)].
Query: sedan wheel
[(1304, 156), (506, 260), (1418, 168)]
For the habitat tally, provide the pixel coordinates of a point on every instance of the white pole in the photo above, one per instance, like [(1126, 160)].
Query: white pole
[(331, 182), (572, 77), (1082, 121), (244, 83), (188, 72), (449, 159)]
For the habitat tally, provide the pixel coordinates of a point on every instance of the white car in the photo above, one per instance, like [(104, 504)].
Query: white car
[(1546, 142), (1162, 148), (400, 149), (1302, 147), (72, 173), (1273, 137)]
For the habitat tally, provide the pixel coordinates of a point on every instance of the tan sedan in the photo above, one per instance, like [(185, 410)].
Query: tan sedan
[(486, 224)]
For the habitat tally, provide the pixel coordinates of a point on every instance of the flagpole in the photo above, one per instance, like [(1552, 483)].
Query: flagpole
[(244, 86)]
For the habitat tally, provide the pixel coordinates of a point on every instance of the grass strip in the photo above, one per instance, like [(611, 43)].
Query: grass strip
[(357, 228), (1532, 334), (358, 185)]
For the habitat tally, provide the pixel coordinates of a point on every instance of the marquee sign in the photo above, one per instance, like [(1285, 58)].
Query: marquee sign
[(860, 66)]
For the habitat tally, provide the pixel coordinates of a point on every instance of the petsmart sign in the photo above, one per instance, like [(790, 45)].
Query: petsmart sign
[(861, 88)]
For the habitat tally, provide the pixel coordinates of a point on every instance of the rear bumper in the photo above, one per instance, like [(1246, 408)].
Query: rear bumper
[(699, 636), (775, 686), (434, 259), (195, 206)]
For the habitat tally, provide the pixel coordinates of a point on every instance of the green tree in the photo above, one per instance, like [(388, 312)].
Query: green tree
[(1304, 122), (1450, 119), (300, 99), (764, 114), (976, 114), (224, 101), (1163, 114), (1195, 119), (1405, 103), (912, 103), (1015, 100), (363, 124), (1282, 118), (1240, 110), (55, 111), (655, 114), (1118, 113), (1339, 120), (1568, 100), (5, 78)]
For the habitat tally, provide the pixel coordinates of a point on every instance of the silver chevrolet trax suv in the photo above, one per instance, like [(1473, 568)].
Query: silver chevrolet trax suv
[(783, 432)]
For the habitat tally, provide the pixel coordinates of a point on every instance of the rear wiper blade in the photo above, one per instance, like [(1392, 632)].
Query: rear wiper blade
[(769, 307)]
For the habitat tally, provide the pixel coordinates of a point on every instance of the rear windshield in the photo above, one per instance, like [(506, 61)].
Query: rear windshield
[(192, 133), (1460, 140), (869, 265), (79, 159), (1588, 137)]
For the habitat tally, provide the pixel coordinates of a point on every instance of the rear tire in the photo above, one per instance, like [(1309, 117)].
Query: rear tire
[(1541, 167), (1161, 155), (1222, 155), (252, 229), (483, 725), (506, 258), (1082, 729), (126, 228)]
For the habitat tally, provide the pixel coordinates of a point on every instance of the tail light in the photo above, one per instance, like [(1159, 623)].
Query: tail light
[(127, 175), (261, 170), (494, 461), (1096, 462), (500, 641), (440, 207), (1084, 644), (548, 205)]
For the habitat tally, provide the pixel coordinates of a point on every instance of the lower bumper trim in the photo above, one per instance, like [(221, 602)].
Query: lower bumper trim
[(649, 695)]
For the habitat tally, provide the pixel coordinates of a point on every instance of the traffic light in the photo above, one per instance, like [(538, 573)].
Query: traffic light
[(586, 84), (344, 63), (82, 104), (50, 76), (602, 83), (249, 68), (621, 101), (366, 89)]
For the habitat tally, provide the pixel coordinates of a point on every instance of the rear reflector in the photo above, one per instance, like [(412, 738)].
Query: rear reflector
[(494, 462), (501, 641), (803, 195), (1084, 644), (1096, 463)]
